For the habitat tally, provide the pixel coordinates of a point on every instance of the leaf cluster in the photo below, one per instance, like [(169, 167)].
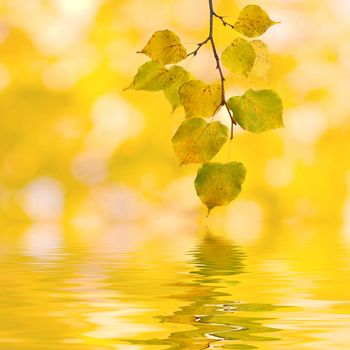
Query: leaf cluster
[(196, 140)]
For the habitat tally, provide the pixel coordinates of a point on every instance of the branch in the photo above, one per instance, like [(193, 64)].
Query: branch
[(210, 38), (218, 66)]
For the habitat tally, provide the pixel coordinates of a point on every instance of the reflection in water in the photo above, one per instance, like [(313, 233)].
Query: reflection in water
[(213, 313), (124, 288)]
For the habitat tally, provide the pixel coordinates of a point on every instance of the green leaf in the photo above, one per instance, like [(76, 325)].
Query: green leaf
[(239, 57), (178, 77), (151, 76), (261, 63), (253, 21), (195, 141), (199, 99), (165, 47), (218, 184), (257, 111)]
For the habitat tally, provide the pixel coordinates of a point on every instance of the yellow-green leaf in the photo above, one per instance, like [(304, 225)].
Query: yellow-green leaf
[(197, 141), (165, 47), (261, 64), (257, 111), (151, 76), (218, 184), (239, 57), (199, 99), (178, 77), (253, 21)]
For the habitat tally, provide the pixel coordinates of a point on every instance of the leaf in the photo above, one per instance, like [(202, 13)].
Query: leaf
[(151, 76), (218, 184), (257, 111), (261, 64), (239, 57), (165, 47), (178, 76), (253, 21), (197, 141), (199, 99)]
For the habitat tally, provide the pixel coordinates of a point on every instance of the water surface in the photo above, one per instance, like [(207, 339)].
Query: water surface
[(124, 289)]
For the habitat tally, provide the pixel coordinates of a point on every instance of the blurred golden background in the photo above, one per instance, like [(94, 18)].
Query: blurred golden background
[(75, 147), (111, 250)]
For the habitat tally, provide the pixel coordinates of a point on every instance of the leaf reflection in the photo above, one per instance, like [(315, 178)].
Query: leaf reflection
[(215, 315)]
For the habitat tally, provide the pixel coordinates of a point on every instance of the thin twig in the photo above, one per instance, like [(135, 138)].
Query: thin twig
[(194, 53), (221, 18)]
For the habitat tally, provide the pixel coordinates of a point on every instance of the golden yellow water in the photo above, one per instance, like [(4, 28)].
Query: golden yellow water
[(121, 288)]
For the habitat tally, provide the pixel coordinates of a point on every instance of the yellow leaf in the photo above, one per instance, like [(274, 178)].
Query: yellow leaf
[(165, 47), (261, 64), (178, 77), (239, 57), (151, 76), (253, 21), (257, 111), (218, 184), (197, 141), (199, 99)]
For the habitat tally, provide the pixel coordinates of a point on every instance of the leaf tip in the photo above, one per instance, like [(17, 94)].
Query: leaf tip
[(275, 22), (130, 87), (173, 109)]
